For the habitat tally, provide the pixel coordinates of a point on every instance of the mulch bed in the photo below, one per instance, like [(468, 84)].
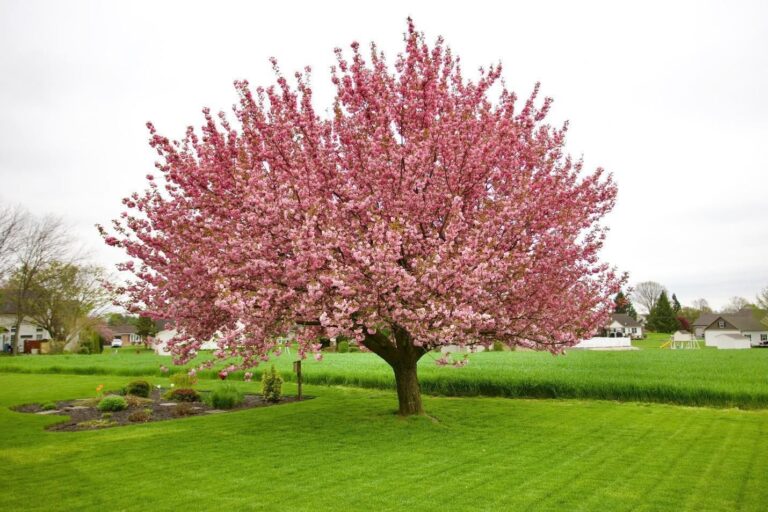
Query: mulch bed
[(82, 411)]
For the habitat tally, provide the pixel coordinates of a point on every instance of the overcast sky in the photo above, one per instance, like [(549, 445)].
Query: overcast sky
[(670, 97)]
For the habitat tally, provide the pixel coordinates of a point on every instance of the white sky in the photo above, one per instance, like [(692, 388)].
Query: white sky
[(669, 96)]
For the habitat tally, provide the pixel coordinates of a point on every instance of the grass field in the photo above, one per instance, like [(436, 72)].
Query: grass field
[(737, 378), (345, 450)]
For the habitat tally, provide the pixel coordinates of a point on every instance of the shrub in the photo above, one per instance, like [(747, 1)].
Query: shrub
[(183, 380), (106, 415), (112, 403), (342, 347), (183, 395), (498, 346), (140, 416), (84, 349), (138, 388), (50, 406), (137, 401), (272, 385), (183, 409), (226, 397)]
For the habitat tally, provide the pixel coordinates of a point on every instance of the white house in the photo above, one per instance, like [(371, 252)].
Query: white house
[(622, 325), (736, 331), (166, 332), (702, 323), (31, 334)]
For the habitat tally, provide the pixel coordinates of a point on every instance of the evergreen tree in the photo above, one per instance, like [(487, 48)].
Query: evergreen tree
[(676, 307), (662, 317)]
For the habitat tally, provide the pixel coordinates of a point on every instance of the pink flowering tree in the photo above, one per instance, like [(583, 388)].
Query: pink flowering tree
[(423, 210)]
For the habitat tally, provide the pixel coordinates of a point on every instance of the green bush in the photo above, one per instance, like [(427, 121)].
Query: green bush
[(343, 347), (183, 395), (272, 385), (112, 403), (225, 397), (84, 349), (183, 380), (498, 346), (138, 388), (50, 406)]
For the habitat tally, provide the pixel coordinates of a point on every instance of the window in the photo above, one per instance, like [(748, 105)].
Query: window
[(39, 337), (721, 324), (634, 330), (13, 328), (39, 329), (748, 336), (764, 337)]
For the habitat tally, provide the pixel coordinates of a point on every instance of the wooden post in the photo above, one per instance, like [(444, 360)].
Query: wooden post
[(297, 369)]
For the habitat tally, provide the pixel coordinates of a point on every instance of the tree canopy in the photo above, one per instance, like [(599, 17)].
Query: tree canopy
[(423, 211)]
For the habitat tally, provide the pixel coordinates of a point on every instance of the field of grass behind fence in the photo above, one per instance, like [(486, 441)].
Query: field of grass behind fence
[(686, 377)]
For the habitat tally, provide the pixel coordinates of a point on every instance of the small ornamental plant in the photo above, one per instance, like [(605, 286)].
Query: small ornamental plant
[(140, 416), (225, 397), (112, 403), (138, 388), (184, 380), (183, 395), (272, 385)]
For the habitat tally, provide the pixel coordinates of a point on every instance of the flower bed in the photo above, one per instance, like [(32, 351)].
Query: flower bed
[(84, 414)]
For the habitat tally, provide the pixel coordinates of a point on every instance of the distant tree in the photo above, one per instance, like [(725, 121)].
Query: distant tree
[(67, 298), (115, 319), (647, 293), (13, 222), (624, 305), (762, 299), (146, 327), (662, 317), (675, 304), (684, 324), (689, 314), (702, 306), (735, 304), (40, 242)]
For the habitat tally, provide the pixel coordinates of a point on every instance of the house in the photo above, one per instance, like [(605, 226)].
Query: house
[(622, 325), (31, 335), (126, 333), (736, 331), (702, 323), (166, 331)]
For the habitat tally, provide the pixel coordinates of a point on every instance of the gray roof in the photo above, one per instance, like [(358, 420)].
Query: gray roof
[(742, 322), (705, 319), (625, 320), (122, 329)]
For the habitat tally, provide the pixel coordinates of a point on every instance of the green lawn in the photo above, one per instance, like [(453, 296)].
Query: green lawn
[(345, 450), (690, 377)]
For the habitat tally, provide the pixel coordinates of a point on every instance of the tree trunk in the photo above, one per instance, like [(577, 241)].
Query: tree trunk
[(403, 356), (408, 389), (16, 337)]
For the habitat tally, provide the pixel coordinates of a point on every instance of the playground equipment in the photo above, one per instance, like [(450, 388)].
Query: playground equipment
[(681, 340)]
